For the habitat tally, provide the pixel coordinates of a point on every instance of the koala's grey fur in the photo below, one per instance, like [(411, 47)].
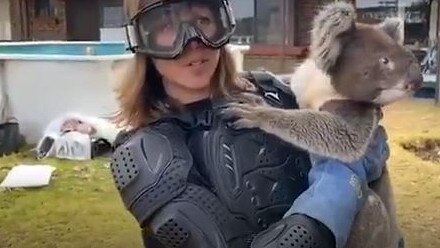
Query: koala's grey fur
[(341, 137), (353, 69)]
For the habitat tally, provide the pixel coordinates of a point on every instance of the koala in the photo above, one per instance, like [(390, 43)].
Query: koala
[(352, 71)]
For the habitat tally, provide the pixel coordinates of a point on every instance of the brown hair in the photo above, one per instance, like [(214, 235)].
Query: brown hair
[(140, 92)]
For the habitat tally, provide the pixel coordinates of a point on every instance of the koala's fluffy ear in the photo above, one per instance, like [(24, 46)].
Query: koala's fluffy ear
[(329, 25), (393, 26)]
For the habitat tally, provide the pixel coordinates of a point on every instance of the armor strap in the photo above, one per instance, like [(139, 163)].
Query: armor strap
[(202, 117), (189, 120), (274, 90)]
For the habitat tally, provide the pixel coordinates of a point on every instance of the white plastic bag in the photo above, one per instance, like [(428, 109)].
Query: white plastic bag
[(24, 176), (74, 146)]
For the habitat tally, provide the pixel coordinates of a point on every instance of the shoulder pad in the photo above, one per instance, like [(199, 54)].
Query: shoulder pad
[(274, 90), (122, 137), (151, 169)]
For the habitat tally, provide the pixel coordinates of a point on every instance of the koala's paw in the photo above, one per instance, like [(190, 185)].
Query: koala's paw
[(243, 115), (252, 99)]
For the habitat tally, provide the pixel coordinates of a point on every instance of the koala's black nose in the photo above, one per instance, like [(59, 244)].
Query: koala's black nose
[(415, 83)]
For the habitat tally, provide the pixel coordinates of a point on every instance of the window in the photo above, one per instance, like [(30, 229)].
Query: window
[(113, 17), (414, 12), (269, 22), (258, 21), (416, 15), (43, 8), (111, 13), (244, 13), (375, 11)]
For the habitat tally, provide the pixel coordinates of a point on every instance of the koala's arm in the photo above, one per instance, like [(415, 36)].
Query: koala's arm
[(341, 130)]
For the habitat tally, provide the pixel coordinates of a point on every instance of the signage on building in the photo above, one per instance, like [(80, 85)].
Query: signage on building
[(411, 16)]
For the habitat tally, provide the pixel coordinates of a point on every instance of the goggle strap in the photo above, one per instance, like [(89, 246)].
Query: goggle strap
[(130, 35), (228, 7)]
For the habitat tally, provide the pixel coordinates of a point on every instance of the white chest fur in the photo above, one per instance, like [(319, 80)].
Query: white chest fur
[(311, 86)]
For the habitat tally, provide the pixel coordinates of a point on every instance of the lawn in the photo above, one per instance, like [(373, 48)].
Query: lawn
[(81, 207), (416, 181)]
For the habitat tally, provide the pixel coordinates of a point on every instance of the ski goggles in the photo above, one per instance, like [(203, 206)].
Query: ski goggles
[(163, 29)]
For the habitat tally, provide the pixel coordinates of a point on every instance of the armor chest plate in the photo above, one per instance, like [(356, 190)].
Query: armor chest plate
[(255, 174)]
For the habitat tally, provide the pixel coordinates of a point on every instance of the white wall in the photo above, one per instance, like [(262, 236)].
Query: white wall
[(112, 34), (5, 20), (39, 91), (40, 88)]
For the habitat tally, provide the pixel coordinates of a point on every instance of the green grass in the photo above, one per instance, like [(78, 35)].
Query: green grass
[(81, 207), (416, 181)]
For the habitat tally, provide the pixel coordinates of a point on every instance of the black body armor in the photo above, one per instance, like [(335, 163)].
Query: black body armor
[(192, 181)]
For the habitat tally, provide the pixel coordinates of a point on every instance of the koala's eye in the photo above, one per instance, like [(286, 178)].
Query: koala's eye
[(384, 60)]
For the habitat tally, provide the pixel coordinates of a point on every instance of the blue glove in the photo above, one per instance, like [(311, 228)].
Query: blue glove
[(336, 191)]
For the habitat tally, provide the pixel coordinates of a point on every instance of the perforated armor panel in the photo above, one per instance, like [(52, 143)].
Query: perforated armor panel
[(151, 168)]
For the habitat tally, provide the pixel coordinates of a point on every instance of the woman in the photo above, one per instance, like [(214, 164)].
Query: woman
[(192, 181)]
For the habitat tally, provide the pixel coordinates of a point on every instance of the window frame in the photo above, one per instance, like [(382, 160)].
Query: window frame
[(288, 47)]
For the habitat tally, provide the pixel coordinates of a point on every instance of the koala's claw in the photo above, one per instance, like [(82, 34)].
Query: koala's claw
[(252, 99), (244, 123), (237, 110), (243, 115)]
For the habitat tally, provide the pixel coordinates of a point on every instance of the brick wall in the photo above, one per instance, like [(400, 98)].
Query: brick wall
[(51, 27), (301, 17), (25, 25), (274, 64)]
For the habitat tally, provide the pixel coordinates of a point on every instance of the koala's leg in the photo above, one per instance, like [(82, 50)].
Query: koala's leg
[(384, 189), (376, 224), (371, 226), (320, 132)]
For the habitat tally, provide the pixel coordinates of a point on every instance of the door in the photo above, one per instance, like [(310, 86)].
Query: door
[(83, 20)]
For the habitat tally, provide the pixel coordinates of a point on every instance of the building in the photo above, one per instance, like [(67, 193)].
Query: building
[(277, 30), (420, 17), (71, 20)]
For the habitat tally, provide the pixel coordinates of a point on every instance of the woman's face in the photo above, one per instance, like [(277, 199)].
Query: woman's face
[(188, 77)]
